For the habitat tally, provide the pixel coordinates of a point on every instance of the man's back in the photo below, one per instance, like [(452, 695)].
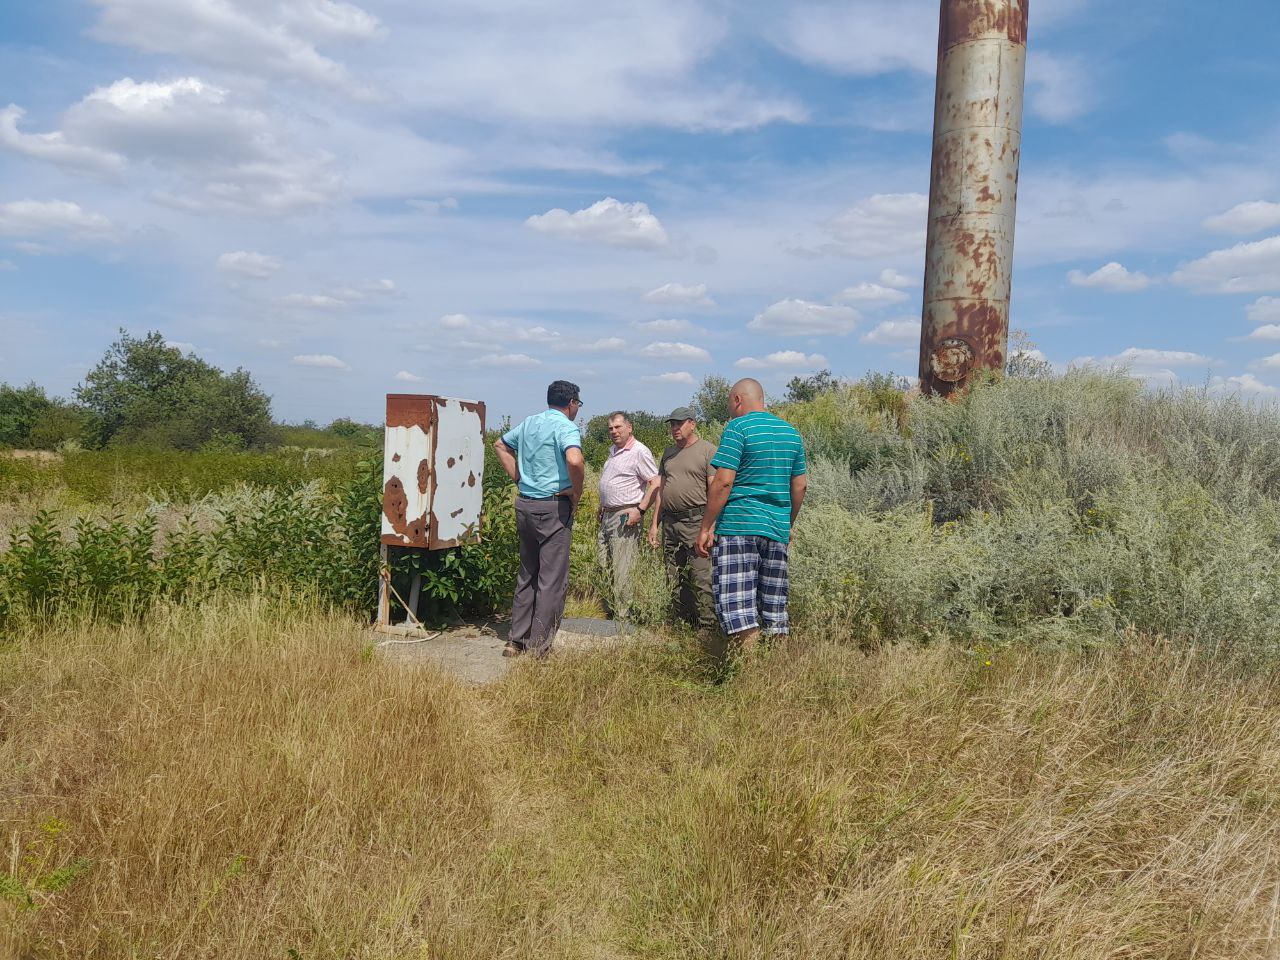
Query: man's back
[(540, 443), (766, 452)]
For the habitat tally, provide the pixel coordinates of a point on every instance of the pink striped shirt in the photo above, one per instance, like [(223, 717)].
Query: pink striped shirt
[(626, 473)]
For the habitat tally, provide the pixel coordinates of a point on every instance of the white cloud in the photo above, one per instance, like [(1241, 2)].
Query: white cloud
[(1059, 89), (274, 39), (244, 263), (21, 218), (1267, 363), (784, 359), (679, 376), (1246, 384), (1268, 331), (433, 208), (270, 344), (208, 153), (7, 266), (681, 294), (315, 301), (675, 351), (507, 360), (560, 64), (1252, 217), (1143, 357), (408, 377), (326, 360), (879, 226), (1264, 309), (53, 147), (801, 317), (455, 321), (181, 346), (605, 221), (1112, 277), (870, 293), (864, 37), (603, 345), (892, 278), (666, 326), (1244, 268), (894, 333)]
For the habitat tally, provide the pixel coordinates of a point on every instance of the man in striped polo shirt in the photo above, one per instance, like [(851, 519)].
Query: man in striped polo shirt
[(753, 502)]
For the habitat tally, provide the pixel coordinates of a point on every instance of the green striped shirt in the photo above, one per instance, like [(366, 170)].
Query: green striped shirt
[(766, 452)]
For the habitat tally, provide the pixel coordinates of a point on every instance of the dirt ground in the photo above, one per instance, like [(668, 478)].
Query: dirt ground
[(474, 651)]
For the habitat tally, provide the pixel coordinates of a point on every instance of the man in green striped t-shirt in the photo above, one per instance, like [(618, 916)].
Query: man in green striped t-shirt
[(752, 504)]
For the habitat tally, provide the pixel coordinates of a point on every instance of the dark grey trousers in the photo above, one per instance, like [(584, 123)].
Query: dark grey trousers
[(546, 533)]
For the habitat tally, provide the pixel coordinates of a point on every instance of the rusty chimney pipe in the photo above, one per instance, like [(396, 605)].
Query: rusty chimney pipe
[(973, 191)]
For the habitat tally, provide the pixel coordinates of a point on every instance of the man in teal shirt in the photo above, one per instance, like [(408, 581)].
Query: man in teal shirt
[(543, 456), (752, 503)]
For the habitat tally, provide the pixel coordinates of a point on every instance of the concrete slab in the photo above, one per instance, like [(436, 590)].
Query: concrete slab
[(473, 652)]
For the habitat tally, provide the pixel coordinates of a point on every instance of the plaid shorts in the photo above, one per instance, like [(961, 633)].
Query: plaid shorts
[(749, 574)]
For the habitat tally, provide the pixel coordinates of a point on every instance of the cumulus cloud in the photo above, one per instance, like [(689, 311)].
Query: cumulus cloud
[(606, 221), (892, 278), (667, 350), (1059, 89), (863, 37), (681, 294), (25, 218), (1267, 363), (1268, 331), (1113, 277), (783, 360), (275, 40), (1264, 309), (313, 301), (1252, 217), (182, 346), (803, 318), (879, 226), (1246, 384), (211, 153), (53, 147), (1244, 268), (894, 333), (873, 293), (339, 297), (1154, 366), (677, 376), (507, 360), (408, 377), (603, 345), (326, 360), (244, 263)]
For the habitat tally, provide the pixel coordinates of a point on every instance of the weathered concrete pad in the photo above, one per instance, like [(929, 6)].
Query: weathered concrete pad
[(473, 652)]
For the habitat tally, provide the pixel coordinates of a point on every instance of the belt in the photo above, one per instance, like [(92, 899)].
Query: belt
[(554, 496), (686, 512), (625, 506)]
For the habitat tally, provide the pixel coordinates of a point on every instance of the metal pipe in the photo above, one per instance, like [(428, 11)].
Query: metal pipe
[(973, 191)]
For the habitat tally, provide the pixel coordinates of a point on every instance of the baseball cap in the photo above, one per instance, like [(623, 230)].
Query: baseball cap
[(681, 414)]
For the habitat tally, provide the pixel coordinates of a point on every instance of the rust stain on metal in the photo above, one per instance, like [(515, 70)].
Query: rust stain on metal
[(455, 514), (972, 190), (451, 461), (394, 504), (471, 479), (410, 410), (424, 475), (395, 458)]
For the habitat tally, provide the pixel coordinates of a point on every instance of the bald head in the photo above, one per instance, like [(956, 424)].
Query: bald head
[(746, 396)]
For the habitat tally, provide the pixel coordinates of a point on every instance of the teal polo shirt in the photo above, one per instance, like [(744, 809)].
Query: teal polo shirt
[(540, 443), (766, 452)]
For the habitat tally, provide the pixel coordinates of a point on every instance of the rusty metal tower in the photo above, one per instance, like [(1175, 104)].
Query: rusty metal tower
[(973, 191)]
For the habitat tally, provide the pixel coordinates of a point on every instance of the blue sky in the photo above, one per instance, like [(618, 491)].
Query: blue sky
[(474, 197)]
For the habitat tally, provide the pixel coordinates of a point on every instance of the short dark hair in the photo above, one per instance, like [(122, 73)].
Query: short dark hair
[(618, 413), (561, 392)]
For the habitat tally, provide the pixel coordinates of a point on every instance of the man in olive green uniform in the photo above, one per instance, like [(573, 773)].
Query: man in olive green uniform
[(681, 501)]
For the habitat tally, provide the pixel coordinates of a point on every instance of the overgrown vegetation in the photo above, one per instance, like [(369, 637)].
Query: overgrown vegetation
[(244, 778)]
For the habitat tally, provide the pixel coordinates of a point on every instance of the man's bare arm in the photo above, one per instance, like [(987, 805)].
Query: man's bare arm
[(717, 496), (577, 473), (655, 511), (798, 487), (507, 457)]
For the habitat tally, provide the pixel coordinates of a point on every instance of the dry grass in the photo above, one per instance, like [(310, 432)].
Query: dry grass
[(247, 780)]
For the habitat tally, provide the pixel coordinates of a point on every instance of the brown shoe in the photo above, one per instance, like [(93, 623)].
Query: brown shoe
[(512, 649)]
